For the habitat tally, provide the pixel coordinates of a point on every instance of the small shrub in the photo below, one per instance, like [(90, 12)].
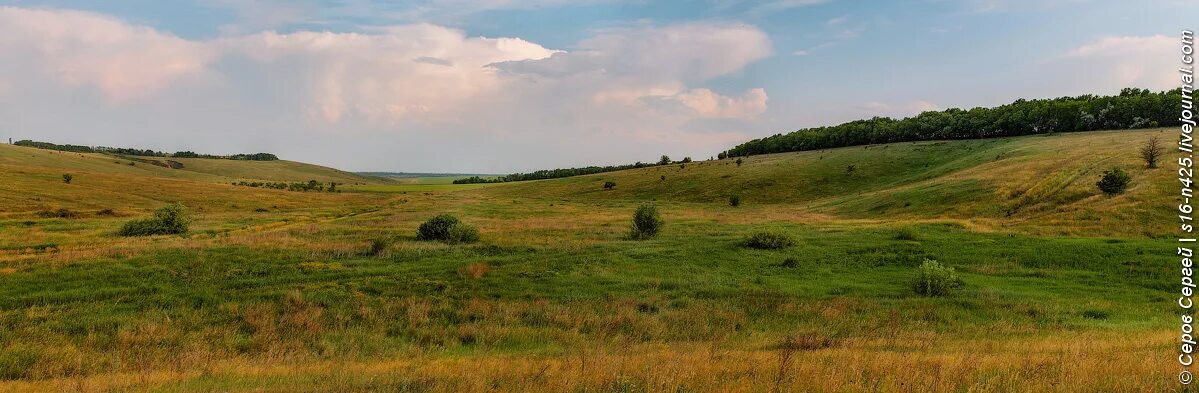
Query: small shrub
[(169, 220), (936, 280), (1114, 181), (60, 213), (379, 245), (647, 223), (1151, 152), (739, 161), (436, 228), (448, 229), (261, 210), (66, 178), (769, 240), (106, 213), (1095, 314), (735, 200), (850, 169), (608, 185), (790, 263), (905, 234), (663, 177), (462, 233)]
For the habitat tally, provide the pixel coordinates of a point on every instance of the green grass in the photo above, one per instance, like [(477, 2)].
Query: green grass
[(554, 278)]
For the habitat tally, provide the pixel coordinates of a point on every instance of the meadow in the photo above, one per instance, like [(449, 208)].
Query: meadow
[(1066, 289)]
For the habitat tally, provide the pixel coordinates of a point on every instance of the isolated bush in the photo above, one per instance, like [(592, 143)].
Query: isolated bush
[(665, 160), (1114, 181), (462, 233), (790, 263), (905, 234), (66, 178), (436, 228), (1151, 152), (608, 185), (769, 240), (60, 213), (686, 160), (168, 220), (106, 213), (447, 228), (739, 161), (735, 200), (934, 279), (378, 245), (850, 169), (647, 223)]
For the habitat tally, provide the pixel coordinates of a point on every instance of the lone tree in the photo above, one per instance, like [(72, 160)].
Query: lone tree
[(665, 160), (646, 223), (66, 178), (1151, 152), (1114, 181), (609, 184)]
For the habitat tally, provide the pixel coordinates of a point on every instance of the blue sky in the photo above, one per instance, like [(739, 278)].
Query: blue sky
[(509, 85)]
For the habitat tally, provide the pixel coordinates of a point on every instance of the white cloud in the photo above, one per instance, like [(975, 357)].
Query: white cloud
[(411, 95), (82, 49), (1115, 62)]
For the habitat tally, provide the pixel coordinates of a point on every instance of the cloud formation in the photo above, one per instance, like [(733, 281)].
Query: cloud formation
[(418, 91)]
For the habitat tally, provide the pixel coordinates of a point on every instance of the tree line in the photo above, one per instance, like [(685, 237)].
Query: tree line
[(565, 172), (143, 153), (1133, 108)]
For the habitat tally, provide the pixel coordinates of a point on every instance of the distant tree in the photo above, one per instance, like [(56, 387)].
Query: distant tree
[(665, 160), (647, 223), (722, 155), (66, 178), (608, 185), (686, 160), (1114, 181), (1151, 152)]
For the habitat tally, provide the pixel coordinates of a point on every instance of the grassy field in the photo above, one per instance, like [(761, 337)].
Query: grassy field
[(1066, 289)]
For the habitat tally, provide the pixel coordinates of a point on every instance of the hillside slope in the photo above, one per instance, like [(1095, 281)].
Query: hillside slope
[(31, 180), (1044, 183)]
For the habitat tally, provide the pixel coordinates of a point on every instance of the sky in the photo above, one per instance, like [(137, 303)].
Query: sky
[(501, 86)]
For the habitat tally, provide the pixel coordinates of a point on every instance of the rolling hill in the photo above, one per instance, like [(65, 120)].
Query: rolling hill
[(1042, 183)]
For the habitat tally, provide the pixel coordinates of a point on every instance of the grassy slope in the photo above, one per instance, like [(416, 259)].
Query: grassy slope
[(554, 288), (1043, 184)]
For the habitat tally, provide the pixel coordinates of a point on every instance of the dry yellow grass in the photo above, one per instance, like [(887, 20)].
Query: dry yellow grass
[(1083, 362)]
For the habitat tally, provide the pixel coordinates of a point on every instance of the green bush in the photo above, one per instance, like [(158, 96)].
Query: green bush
[(608, 185), (647, 223), (379, 245), (936, 280), (1114, 181), (735, 200), (769, 240), (462, 233), (66, 178), (436, 228), (169, 220), (447, 228), (60, 213)]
